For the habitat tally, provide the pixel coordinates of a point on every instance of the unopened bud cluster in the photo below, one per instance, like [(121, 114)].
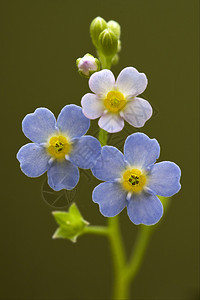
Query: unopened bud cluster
[(106, 37)]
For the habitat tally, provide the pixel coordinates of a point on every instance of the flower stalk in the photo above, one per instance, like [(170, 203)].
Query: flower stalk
[(124, 270)]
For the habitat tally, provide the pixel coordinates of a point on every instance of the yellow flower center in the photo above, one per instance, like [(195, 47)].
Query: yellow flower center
[(134, 180), (114, 101), (58, 147)]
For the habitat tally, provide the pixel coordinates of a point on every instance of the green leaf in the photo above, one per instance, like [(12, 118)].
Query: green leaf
[(71, 223)]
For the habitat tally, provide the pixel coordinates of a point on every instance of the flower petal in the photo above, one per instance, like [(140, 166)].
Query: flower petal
[(164, 178), (62, 175), (111, 198), (109, 165), (72, 121), (141, 151), (130, 82), (102, 82), (111, 122), (38, 126), (33, 159), (137, 112), (144, 208), (85, 152), (92, 106)]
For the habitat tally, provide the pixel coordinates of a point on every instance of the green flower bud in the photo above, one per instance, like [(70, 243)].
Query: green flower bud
[(115, 60), (108, 43), (87, 65), (96, 27), (119, 47), (115, 27)]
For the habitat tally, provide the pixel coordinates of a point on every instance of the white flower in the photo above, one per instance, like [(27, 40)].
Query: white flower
[(116, 101)]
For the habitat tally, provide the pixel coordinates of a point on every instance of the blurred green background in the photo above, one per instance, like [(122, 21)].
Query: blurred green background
[(40, 41)]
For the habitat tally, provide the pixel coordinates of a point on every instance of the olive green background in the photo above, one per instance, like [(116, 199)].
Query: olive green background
[(40, 41)]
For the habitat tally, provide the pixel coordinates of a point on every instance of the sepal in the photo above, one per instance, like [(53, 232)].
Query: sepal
[(71, 223)]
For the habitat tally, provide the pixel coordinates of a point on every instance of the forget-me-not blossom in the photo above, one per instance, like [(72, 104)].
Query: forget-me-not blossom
[(134, 180), (58, 147), (117, 101)]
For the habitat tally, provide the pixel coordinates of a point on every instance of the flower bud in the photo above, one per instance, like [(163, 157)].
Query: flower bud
[(115, 60), (96, 27), (87, 65), (119, 47), (108, 43), (115, 27)]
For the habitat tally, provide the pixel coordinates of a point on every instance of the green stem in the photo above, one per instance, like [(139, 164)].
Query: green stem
[(119, 259), (99, 230), (138, 252), (105, 61), (103, 135), (106, 64), (116, 243), (125, 272)]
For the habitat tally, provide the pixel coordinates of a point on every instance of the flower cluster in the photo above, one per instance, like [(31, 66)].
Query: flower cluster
[(133, 180)]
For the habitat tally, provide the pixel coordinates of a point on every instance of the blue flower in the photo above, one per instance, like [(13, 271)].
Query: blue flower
[(58, 147), (134, 180)]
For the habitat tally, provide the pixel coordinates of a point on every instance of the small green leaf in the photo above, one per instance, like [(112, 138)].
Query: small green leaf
[(71, 223)]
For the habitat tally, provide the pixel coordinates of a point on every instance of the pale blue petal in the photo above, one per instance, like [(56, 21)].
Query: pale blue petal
[(110, 164), (72, 121), (111, 198), (141, 151), (33, 159), (38, 126), (144, 208), (63, 175), (164, 178), (85, 152)]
